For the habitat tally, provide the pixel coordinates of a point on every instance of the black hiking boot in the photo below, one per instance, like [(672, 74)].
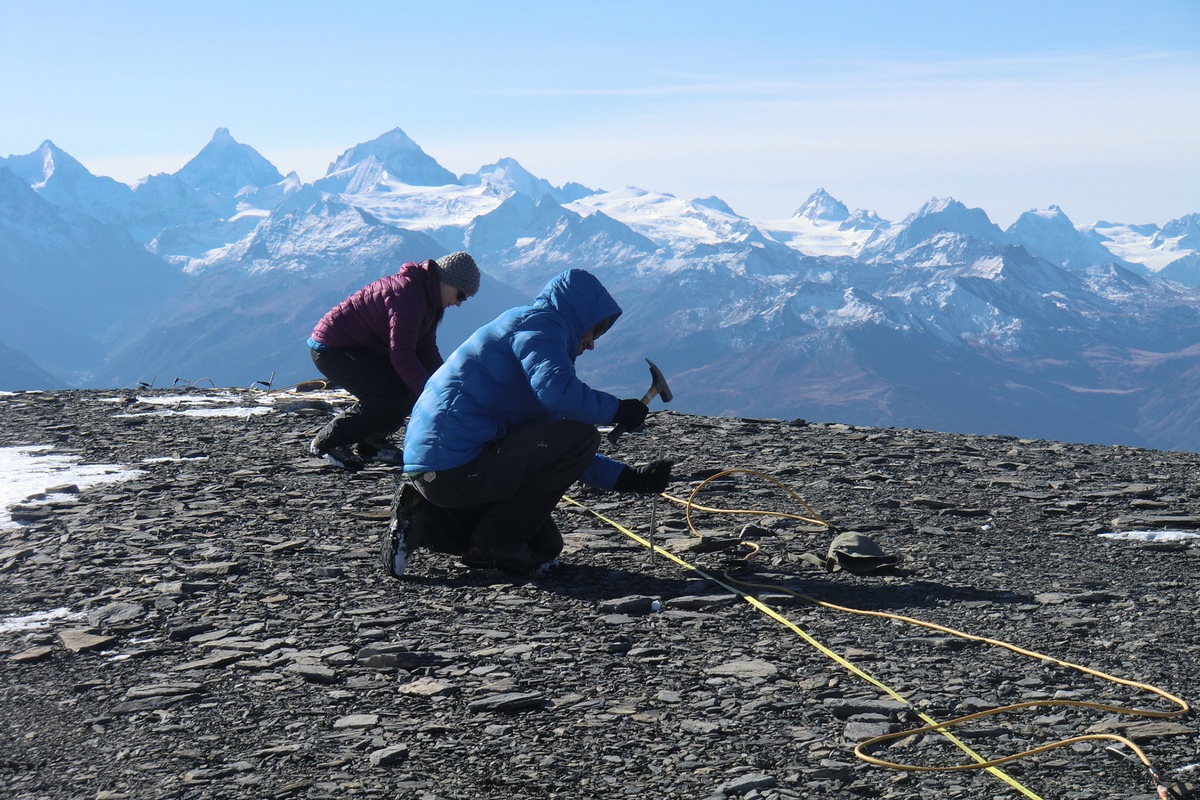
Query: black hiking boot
[(515, 558), (339, 455), (386, 455), (401, 537), (380, 449)]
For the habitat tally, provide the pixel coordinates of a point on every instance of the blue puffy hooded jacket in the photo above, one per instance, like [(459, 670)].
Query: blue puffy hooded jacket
[(517, 369)]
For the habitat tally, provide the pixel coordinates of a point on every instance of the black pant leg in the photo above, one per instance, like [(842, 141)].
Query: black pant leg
[(517, 482), (384, 399)]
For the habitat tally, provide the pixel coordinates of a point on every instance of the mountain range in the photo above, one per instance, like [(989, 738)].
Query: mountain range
[(942, 320)]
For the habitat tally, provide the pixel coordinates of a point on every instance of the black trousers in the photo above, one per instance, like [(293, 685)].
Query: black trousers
[(384, 399), (509, 491)]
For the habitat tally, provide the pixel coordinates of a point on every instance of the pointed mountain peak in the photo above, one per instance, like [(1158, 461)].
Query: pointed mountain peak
[(226, 167), (396, 137), (1185, 230), (403, 159), (940, 218), (45, 162), (507, 175), (820, 205)]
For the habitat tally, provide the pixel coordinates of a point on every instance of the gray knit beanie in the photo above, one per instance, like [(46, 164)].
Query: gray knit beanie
[(458, 270)]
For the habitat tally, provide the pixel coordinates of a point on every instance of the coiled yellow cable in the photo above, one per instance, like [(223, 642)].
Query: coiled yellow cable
[(861, 750)]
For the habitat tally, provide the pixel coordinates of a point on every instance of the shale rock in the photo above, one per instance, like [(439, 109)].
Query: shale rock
[(216, 624)]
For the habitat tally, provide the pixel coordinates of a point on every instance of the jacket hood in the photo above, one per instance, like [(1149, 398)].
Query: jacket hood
[(580, 299)]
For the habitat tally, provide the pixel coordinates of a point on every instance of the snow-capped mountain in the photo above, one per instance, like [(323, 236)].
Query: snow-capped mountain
[(393, 154), (1141, 244), (62, 180), (669, 221), (526, 242), (821, 205), (163, 201), (823, 226), (1180, 234), (1051, 235), (940, 320), (228, 168), (270, 288), (507, 176), (945, 222)]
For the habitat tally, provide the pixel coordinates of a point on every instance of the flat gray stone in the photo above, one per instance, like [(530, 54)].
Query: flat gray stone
[(750, 668), (509, 701), (80, 641), (389, 756), (357, 721)]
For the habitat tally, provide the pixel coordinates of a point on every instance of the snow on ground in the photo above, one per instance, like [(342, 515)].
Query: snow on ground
[(38, 619), (665, 219), (209, 405), (1152, 536), (425, 208), (1135, 243), (28, 471), (814, 238)]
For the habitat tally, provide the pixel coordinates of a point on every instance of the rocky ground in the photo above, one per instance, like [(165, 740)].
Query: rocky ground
[(226, 630)]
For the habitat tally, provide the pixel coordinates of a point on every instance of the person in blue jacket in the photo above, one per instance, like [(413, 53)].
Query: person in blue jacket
[(504, 427)]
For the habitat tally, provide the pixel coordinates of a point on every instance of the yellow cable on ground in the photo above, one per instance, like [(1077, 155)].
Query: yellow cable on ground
[(690, 504), (856, 670), (991, 765)]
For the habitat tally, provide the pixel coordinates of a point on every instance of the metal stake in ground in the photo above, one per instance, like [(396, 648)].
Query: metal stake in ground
[(659, 387), (653, 524)]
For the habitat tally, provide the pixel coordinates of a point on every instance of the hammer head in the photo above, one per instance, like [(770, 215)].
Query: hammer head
[(658, 385)]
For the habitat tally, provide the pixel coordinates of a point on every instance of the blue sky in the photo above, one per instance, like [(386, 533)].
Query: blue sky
[(1007, 106)]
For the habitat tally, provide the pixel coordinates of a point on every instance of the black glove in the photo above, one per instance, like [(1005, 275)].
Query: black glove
[(631, 414), (650, 479)]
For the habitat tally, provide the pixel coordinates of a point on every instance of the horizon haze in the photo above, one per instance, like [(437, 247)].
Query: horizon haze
[(1087, 106)]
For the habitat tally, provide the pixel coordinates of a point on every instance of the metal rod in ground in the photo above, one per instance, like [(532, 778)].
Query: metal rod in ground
[(653, 524)]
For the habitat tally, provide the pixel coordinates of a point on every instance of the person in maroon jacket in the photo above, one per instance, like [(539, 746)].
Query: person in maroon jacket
[(380, 345)]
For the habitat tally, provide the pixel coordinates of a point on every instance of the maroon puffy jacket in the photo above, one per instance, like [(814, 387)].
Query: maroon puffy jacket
[(396, 316)]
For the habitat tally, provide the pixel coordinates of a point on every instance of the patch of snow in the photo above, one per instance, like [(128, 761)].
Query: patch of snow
[(814, 237), (26, 472), (425, 208), (665, 219), (173, 459), (240, 411), (1135, 243), (1152, 536), (184, 399), (37, 620)]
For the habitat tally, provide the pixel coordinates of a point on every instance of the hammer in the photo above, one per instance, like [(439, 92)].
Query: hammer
[(658, 386)]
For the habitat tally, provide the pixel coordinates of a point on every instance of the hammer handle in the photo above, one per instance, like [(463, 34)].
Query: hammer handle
[(617, 430)]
